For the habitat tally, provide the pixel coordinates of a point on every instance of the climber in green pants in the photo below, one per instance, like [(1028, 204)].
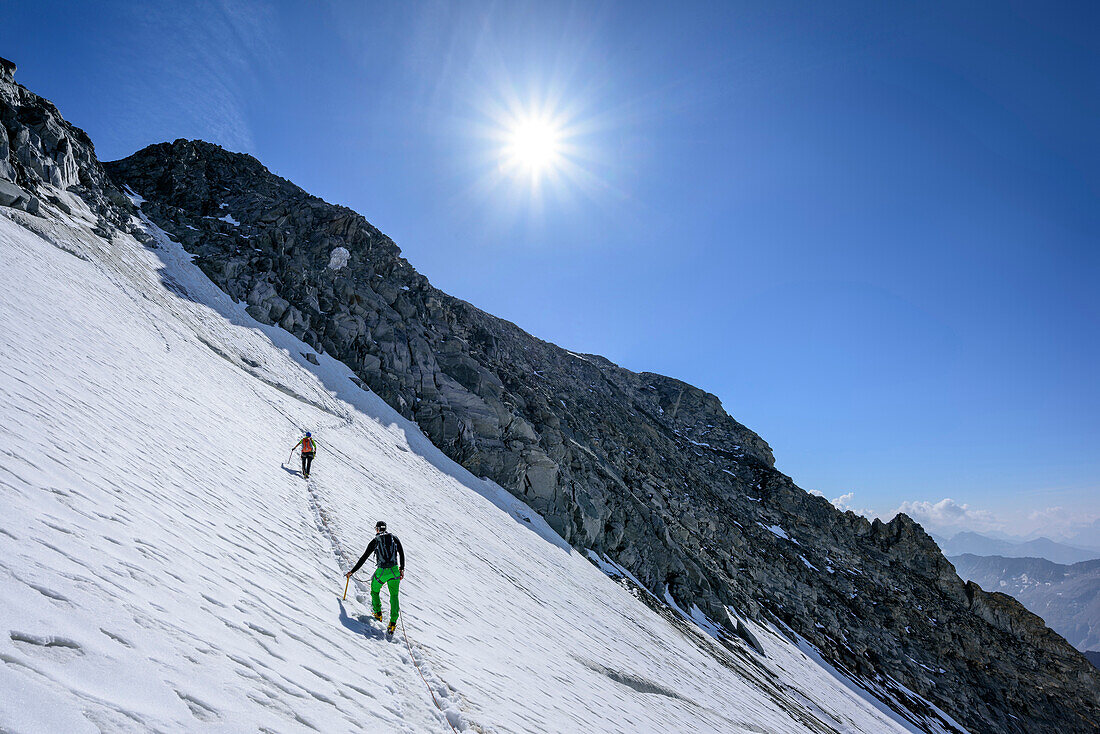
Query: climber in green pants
[(391, 569)]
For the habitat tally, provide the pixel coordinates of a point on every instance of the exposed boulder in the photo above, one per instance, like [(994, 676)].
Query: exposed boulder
[(15, 197)]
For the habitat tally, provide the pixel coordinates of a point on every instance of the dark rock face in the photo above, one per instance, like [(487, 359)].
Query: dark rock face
[(645, 468), (41, 154)]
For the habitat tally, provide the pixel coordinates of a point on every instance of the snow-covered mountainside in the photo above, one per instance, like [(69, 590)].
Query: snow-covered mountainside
[(647, 567), (162, 569)]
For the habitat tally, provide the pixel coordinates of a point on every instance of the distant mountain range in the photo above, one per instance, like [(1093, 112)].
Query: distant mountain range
[(1067, 597), (1045, 548)]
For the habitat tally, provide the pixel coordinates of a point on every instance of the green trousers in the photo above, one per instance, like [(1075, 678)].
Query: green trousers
[(391, 577)]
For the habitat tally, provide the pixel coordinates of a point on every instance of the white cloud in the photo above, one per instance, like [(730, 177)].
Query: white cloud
[(1055, 514), (1073, 525), (844, 503), (949, 514), (1060, 523)]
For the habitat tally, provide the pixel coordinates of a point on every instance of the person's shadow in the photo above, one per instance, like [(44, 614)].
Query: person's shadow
[(289, 470), (359, 624)]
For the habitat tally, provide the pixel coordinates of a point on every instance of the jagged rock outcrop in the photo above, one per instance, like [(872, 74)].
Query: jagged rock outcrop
[(41, 154), (643, 468)]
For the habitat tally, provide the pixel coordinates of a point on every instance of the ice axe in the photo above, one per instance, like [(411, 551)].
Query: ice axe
[(347, 580)]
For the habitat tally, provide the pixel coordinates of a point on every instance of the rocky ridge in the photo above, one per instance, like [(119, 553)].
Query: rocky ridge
[(42, 156), (1066, 596), (641, 469)]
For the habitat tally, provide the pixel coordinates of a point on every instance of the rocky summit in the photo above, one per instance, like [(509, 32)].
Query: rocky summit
[(647, 474)]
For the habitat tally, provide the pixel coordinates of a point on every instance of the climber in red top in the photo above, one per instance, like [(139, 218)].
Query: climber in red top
[(309, 450)]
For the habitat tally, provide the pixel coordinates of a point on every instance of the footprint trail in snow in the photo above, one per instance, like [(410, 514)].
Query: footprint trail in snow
[(159, 571)]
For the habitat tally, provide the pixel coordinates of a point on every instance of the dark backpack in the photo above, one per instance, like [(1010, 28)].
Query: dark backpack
[(386, 551)]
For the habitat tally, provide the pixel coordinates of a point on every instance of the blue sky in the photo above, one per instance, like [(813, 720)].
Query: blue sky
[(870, 228)]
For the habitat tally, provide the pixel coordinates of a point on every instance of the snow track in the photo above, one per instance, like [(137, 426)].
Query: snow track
[(444, 699), (159, 571)]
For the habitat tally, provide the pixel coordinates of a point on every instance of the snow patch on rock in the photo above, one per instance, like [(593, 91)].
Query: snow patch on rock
[(338, 258)]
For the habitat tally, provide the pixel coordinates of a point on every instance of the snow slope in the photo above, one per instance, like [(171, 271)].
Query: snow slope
[(161, 569)]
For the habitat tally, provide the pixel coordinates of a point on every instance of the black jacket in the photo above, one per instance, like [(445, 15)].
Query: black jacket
[(388, 548)]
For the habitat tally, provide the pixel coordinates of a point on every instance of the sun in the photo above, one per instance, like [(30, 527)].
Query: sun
[(533, 145), (534, 148)]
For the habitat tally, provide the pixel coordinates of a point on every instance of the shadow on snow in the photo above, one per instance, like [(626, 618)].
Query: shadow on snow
[(359, 624)]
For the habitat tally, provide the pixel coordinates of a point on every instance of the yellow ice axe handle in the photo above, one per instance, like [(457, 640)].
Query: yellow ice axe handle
[(347, 580)]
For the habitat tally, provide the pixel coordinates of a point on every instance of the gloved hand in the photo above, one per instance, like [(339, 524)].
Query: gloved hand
[(401, 575), (348, 574)]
